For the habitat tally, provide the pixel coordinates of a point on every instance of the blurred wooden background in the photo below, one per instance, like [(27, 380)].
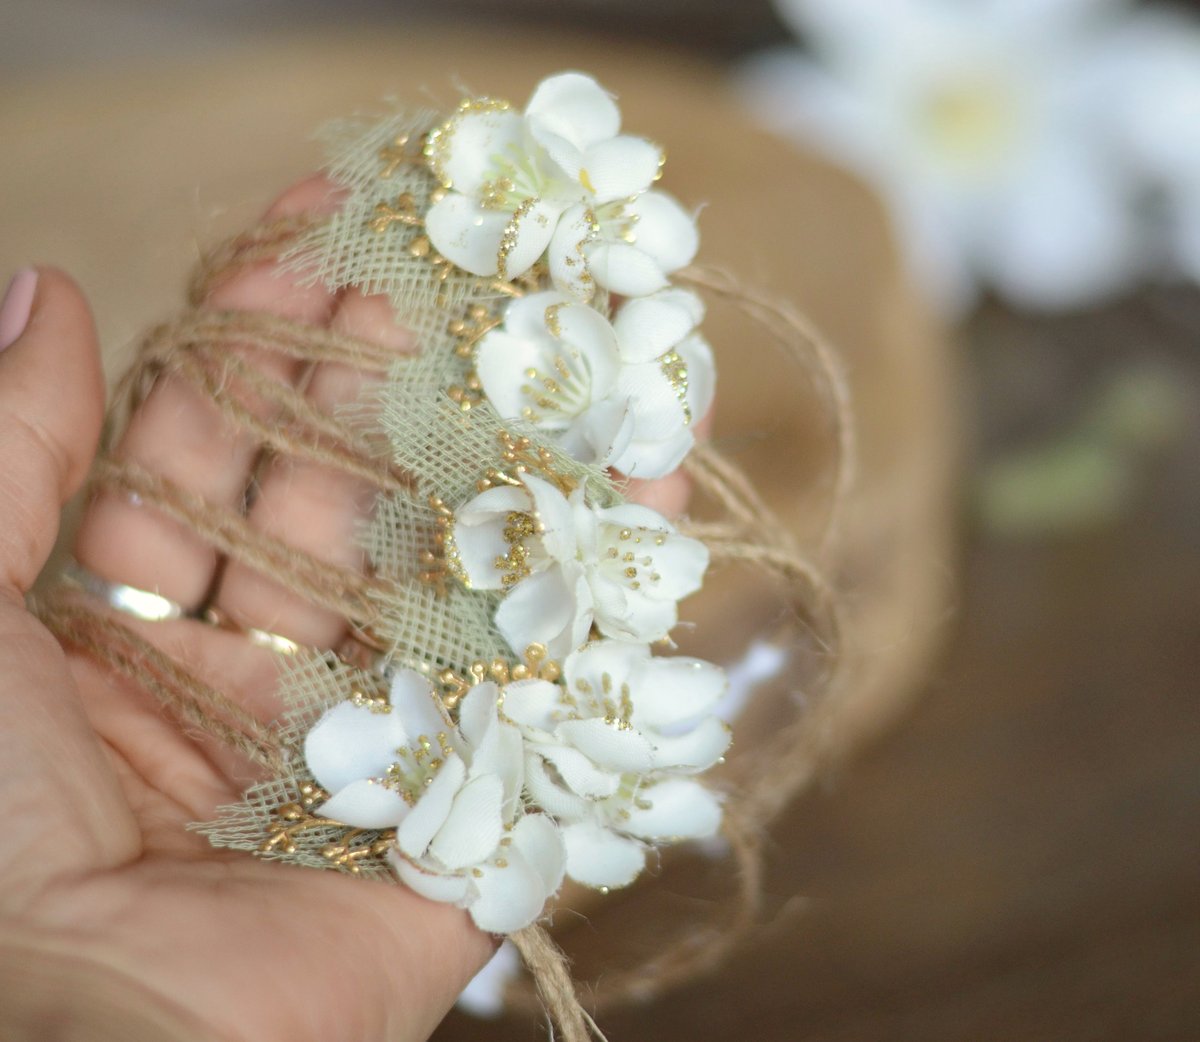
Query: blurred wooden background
[(1018, 858)]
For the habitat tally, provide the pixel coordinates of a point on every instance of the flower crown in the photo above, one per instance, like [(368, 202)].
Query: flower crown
[(519, 727)]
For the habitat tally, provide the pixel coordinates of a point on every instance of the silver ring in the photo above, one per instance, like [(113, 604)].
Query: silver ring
[(154, 607), (141, 604)]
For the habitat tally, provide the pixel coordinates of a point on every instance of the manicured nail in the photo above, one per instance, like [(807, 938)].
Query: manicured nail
[(18, 301)]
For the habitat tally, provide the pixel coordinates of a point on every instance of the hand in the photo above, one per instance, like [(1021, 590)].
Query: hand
[(115, 922)]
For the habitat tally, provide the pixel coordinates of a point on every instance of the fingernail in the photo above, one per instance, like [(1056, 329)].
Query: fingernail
[(18, 302)]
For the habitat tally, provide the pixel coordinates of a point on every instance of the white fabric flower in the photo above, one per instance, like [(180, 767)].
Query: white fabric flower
[(453, 793), (982, 123), (622, 394), (559, 178), (601, 746), (567, 564)]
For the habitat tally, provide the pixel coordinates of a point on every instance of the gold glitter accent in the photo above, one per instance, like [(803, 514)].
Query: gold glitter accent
[(675, 370), (512, 230), (552, 320), (437, 144)]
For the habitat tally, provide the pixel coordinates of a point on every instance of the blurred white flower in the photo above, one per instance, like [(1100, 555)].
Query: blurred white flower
[(620, 394), (567, 564), (1154, 94), (985, 123), (453, 794), (556, 180), (606, 750)]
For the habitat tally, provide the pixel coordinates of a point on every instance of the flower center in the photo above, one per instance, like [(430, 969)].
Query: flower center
[(627, 557), (517, 175), (417, 766), (616, 222), (970, 123)]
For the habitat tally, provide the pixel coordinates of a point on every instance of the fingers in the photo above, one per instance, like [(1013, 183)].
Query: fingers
[(51, 405), (312, 507), (63, 804), (180, 434)]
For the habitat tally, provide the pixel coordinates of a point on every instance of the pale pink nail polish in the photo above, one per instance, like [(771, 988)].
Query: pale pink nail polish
[(18, 302)]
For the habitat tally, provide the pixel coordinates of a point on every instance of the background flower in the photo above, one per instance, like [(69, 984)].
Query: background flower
[(987, 124)]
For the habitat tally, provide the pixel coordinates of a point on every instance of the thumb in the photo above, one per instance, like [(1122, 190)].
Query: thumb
[(51, 407), (62, 805)]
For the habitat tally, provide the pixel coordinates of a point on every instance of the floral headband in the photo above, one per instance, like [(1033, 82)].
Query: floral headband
[(510, 715)]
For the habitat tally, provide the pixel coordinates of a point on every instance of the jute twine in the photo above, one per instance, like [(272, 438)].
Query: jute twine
[(739, 528)]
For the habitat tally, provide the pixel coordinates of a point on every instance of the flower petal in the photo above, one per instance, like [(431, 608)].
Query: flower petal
[(599, 858), (697, 750), (675, 808), (654, 396), (351, 742), (541, 844), (555, 517), (665, 230), (620, 167), (579, 773), (365, 804), (502, 361), (474, 825), (648, 327), (589, 333), (577, 228), (669, 691), (575, 107), (608, 746), (447, 889), (412, 698), (547, 791), (418, 829), (541, 610), (624, 269), (601, 434), (509, 895), (533, 703), (465, 233), (654, 459)]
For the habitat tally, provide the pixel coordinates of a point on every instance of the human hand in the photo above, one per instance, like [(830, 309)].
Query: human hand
[(116, 922)]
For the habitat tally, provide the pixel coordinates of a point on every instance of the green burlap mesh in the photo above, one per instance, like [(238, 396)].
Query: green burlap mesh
[(440, 433)]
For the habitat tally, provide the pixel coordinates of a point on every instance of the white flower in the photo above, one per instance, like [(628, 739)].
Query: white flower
[(601, 748), (567, 564), (983, 123), (453, 793), (557, 178), (622, 394)]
